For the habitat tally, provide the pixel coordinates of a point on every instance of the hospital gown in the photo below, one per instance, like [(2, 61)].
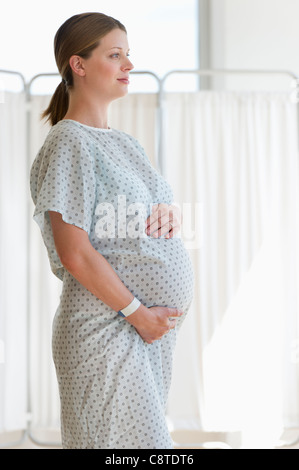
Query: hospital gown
[(113, 386)]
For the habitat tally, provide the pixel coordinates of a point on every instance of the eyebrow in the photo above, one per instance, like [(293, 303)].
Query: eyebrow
[(116, 47)]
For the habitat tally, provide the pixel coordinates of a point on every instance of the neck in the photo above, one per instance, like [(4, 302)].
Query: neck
[(87, 111)]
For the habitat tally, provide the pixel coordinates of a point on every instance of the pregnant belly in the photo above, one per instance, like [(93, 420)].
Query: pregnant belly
[(159, 273), (156, 271)]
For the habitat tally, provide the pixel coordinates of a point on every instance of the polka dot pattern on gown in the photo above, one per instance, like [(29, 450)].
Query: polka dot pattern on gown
[(113, 386)]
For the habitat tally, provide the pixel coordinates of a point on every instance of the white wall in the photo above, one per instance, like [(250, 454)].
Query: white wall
[(254, 34)]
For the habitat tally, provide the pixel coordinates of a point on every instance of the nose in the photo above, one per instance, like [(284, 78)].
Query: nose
[(128, 65)]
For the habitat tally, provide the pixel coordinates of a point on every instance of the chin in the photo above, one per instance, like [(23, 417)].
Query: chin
[(120, 94)]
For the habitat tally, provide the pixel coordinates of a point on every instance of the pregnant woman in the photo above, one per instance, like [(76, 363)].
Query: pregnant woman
[(127, 286)]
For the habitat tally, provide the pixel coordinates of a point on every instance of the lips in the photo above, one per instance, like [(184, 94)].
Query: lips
[(124, 80)]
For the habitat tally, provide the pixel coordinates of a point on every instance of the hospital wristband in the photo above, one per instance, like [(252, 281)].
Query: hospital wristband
[(131, 308)]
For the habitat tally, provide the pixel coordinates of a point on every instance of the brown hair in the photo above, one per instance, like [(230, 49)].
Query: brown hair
[(78, 35)]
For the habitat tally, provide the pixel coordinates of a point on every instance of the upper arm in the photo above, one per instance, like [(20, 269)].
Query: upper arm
[(63, 180), (70, 240)]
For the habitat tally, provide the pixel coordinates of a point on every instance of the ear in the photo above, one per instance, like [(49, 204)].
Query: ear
[(77, 65)]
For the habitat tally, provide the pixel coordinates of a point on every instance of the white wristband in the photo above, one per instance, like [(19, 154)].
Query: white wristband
[(131, 308)]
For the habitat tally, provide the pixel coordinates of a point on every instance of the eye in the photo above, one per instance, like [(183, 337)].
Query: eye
[(116, 55)]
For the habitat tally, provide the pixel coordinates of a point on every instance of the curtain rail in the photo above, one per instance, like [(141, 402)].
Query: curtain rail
[(27, 433), (18, 74), (214, 72), (56, 74), (162, 92)]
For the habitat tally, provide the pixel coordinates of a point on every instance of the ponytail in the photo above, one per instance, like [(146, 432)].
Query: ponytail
[(59, 104)]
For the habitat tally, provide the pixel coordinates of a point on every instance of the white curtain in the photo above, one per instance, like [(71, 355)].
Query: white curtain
[(13, 263), (236, 155), (231, 159)]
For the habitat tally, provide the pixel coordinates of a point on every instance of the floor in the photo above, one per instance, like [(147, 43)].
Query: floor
[(183, 440)]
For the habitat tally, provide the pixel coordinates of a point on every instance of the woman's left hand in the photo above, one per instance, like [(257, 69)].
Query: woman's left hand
[(164, 221)]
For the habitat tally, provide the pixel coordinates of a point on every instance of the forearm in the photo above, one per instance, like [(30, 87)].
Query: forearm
[(87, 265), (94, 272)]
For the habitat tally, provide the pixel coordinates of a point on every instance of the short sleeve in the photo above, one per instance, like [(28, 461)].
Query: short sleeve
[(62, 179)]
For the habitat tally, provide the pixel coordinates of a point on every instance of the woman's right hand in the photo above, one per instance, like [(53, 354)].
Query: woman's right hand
[(154, 322)]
